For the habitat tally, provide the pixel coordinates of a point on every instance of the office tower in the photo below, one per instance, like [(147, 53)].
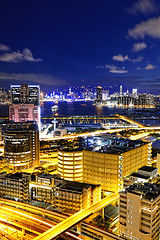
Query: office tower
[(139, 211), (12, 125), (3, 96), (105, 161), (105, 95), (21, 147), (121, 91), (134, 93), (25, 103), (99, 94)]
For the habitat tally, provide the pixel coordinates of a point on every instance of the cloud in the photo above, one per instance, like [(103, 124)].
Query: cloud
[(40, 78), (17, 56), (139, 46), (122, 58), (143, 6), (150, 67), (150, 28), (115, 69), (4, 47)]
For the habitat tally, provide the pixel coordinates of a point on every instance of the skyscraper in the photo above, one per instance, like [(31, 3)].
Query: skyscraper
[(121, 91), (25, 101), (99, 94), (134, 92)]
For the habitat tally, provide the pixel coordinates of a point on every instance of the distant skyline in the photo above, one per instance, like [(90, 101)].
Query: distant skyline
[(65, 43)]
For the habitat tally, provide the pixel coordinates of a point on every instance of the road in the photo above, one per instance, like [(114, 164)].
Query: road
[(87, 134), (139, 136), (24, 221), (77, 217), (99, 132)]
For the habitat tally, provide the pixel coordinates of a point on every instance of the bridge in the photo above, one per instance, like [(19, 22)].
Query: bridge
[(96, 119), (92, 119), (82, 119), (61, 227), (24, 221), (131, 121)]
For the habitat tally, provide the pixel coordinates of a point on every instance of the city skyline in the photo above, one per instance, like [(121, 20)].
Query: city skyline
[(69, 43)]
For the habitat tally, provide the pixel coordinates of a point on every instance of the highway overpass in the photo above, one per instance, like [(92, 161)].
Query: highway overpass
[(61, 227)]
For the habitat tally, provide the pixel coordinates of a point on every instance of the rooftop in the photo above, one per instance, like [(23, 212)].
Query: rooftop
[(148, 191), (138, 175), (103, 144), (48, 176), (75, 186), (147, 169)]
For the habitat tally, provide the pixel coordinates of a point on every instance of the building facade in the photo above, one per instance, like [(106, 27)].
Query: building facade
[(15, 186), (99, 94), (104, 165), (21, 147), (65, 196), (139, 211), (25, 103), (70, 165)]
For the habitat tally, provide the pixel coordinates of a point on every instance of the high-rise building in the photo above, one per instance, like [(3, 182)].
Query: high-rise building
[(25, 94), (25, 103), (99, 94), (139, 211), (134, 93), (121, 91), (21, 147)]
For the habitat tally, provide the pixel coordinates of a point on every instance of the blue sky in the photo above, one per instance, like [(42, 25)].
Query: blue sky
[(62, 43)]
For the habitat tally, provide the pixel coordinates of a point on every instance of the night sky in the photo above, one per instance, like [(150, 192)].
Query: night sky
[(63, 43)]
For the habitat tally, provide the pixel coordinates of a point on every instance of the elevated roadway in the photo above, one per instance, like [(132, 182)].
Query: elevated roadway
[(76, 218), (99, 132), (131, 121), (24, 221)]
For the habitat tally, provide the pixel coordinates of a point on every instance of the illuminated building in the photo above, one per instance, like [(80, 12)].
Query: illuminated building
[(121, 91), (75, 196), (134, 93), (48, 157), (99, 94), (21, 147), (25, 94), (158, 164), (25, 101), (144, 174), (15, 186), (106, 161), (70, 165), (6, 125), (139, 211), (65, 196)]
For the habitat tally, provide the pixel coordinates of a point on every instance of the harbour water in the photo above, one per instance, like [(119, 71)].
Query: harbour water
[(85, 108), (81, 108)]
